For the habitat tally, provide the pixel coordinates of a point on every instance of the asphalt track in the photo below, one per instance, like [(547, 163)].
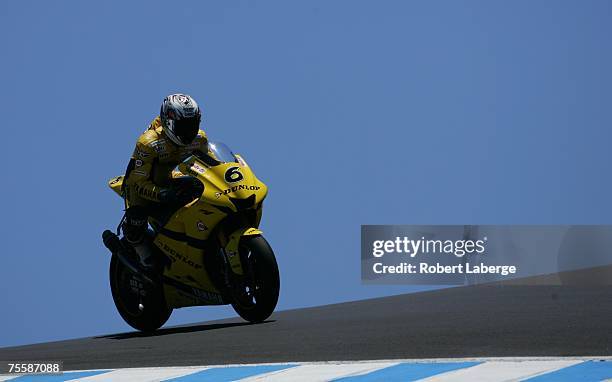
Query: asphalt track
[(474, 321)]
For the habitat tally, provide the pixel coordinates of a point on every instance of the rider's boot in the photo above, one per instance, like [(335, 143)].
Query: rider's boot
[(135, 233)]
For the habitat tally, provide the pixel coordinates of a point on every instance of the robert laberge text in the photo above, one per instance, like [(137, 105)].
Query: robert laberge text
[(437, 268)]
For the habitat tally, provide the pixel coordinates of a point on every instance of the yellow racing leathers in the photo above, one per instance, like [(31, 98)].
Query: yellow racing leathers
[(149, 172)]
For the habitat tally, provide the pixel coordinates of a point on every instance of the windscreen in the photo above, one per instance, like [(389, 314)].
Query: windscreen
[(221, 152)]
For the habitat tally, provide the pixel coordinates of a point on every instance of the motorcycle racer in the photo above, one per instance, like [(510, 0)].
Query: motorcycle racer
[(170, 138)]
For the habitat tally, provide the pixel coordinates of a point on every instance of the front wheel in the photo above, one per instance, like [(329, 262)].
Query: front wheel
[(257, 296), (143, 308)]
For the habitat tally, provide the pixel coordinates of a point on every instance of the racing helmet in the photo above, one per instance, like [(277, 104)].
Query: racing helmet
[(180, 117)]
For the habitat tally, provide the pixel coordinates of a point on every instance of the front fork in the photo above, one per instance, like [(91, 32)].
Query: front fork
[(238, 271)]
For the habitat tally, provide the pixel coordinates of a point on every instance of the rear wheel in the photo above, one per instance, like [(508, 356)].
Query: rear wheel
[(143, 308), (256, 296)]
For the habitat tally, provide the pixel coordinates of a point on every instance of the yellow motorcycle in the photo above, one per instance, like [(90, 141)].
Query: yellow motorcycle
[(212, 240)]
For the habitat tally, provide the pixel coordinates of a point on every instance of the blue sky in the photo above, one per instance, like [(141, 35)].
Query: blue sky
[(353, 112)]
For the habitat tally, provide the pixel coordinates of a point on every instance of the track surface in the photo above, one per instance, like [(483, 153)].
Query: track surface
[(475, 321)]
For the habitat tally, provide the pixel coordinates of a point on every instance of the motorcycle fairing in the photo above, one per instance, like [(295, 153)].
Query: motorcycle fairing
[(219, 187), (116, 184)]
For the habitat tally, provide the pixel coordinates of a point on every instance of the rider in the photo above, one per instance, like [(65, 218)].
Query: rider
[(170, 138)]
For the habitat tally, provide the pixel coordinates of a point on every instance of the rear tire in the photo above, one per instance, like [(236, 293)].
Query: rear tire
[(128, 291), (259, 296)]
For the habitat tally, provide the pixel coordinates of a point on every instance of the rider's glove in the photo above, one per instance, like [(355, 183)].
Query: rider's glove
[(180, 193), (166, 195), (172, 195)]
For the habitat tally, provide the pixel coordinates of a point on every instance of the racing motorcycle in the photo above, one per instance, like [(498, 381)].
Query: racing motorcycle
[(211, 241)]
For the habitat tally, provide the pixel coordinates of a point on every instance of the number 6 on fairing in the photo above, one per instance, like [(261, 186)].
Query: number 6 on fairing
[(233, 175)]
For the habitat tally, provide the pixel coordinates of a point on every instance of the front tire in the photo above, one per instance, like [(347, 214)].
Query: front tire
[(256, 298), (128, 292)]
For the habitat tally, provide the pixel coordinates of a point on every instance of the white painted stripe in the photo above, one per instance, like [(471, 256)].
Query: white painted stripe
[(262, 377), (498, 371), (492, 369), (151, 374), (320, 372)]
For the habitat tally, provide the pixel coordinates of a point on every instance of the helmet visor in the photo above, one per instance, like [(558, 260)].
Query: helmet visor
[(186, 129)]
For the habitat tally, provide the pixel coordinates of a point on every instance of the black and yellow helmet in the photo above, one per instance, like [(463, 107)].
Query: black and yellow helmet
[(180, 116)]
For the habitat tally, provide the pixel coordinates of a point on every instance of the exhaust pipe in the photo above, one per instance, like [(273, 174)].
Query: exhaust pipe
[(112, 242)]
